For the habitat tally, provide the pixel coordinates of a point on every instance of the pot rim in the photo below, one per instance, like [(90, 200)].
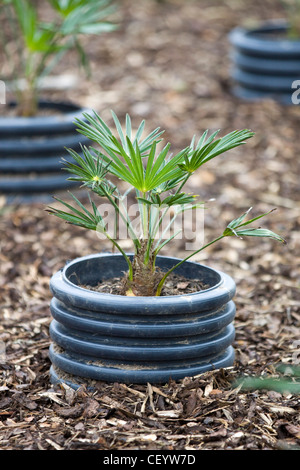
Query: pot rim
[(68, 266), (65, 290), (35, 125), (246, 39)]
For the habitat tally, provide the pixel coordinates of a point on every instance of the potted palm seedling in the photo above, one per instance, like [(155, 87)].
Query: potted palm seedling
[(140, 332), (34, 38), (266, 59)]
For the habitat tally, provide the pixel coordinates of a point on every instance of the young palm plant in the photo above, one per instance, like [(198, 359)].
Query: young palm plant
[(157, 178), (33, 46)]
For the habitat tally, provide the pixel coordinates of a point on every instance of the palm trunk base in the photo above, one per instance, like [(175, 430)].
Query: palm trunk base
[(145, 278)]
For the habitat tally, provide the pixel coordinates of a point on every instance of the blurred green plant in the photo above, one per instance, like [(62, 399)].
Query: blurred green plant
[(33, 46), (292, 8), (287, 381), (157, 178)]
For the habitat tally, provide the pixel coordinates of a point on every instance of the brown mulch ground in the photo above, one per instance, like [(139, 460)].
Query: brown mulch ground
[(168, 63)]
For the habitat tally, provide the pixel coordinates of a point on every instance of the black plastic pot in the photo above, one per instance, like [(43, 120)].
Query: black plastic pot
[(31, 150), (265, 62), (112, 338)]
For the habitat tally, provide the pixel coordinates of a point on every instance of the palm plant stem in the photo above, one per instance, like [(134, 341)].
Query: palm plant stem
[(162, 281)]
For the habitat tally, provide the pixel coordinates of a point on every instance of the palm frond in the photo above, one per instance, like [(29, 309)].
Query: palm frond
[(235, 228), (80, 216), (208, 148), (95, 128)]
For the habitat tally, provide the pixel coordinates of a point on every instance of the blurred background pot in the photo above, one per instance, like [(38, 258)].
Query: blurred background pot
[(35, 39), (107, 337), (266, 62), (32, 149)]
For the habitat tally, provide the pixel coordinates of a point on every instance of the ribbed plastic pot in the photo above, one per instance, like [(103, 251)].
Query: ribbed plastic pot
[(265, 62), (32, 149), (114, 338)]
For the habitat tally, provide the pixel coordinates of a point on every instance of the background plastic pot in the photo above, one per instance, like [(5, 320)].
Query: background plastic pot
[(138, 339), (265, 62), (32, 148)]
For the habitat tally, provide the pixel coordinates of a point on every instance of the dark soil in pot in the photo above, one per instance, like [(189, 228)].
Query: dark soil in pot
[(32, 150), (175, 285), (100, 336)]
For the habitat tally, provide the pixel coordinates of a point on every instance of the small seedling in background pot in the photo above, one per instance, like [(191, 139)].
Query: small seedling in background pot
[(34, 46), (292, 8)]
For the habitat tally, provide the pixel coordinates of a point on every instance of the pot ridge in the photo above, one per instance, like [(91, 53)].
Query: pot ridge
[(138, 339)]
